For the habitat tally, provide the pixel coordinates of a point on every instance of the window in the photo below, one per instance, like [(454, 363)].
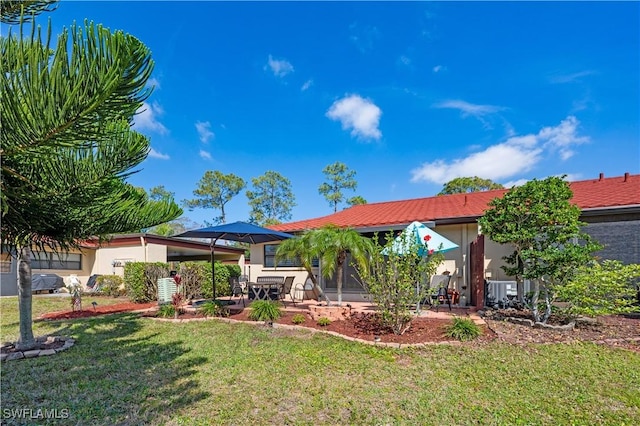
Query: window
[(270, 258), (43, 260), (350, 278)]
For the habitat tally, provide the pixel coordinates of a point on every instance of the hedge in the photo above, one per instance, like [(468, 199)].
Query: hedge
[(142, 279)]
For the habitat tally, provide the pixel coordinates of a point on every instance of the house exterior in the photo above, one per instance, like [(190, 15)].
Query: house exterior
[(109, 257), (610, 207)]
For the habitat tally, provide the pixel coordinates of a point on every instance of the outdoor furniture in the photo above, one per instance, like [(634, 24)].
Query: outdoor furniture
[(264, 291), (236, 289), (266, 288), (443, 297), (286, 289), (243, 280)]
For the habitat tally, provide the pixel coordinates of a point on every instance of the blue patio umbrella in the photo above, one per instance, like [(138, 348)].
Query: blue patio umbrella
[(427, 238), (237, 231)]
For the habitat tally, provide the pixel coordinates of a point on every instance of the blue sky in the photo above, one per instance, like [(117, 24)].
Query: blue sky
[(409, 95)]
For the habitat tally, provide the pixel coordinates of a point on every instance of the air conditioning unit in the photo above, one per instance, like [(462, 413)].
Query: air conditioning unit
[(166, 289)]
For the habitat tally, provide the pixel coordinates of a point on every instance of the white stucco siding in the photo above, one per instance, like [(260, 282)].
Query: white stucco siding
[(493, 254), (111, 260)]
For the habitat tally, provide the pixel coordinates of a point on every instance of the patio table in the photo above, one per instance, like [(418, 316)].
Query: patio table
[(264, 290)]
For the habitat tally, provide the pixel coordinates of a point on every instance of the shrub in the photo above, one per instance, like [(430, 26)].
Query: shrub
[(392, 275), (167, 311), (142, 280), (463, 329), (602, 288), (265, 310), (111, 285), (214, 309), (196, 277), (324, 321), (176, 301), (298, 319)]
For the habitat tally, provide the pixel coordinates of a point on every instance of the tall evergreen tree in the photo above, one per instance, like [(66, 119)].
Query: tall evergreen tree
[(271, 199), (461, 185), (214, 191), (339, 178), (66, 141)]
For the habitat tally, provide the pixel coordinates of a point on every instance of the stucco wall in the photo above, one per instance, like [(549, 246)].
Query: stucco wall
[(107, 256), (9, 281)]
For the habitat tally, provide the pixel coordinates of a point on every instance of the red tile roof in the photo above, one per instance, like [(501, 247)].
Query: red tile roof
[(604, 192)]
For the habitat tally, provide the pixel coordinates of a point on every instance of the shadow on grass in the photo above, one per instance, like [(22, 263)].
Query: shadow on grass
[(118, 372)]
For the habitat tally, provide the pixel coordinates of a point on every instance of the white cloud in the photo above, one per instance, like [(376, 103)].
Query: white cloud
[(517, 182), (306, 85), (467, 108), (360, 115), (570, 78), (279, 67), (479, 112), (204, 131), (155, 154), (205, 154), (146, 118), (563, 137), (438, 68), (153, 82), (517, 155)]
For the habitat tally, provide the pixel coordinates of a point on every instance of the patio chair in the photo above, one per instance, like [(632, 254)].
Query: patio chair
[(243, 280), (286, 289), (236, 289), (441, 282)]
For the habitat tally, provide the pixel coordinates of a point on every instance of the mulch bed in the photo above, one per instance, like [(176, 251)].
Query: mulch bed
[(98, 310), (612, 330)]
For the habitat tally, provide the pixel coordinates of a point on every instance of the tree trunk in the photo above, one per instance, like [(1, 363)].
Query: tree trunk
[(547, 301), (321, 293), (339, 285), (26, 339), (534, 300)]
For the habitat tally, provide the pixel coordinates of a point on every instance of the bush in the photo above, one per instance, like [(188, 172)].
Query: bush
[(167, 311), (196, 280), (463, 329), (141, 280), (265, 310), (214, 309), (392, 275), (324, 321), (603, 288), (298, 319), (111, 285)]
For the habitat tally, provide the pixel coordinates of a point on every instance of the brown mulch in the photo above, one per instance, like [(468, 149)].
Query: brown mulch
[(612, 330), (364, 326), (98, 310)]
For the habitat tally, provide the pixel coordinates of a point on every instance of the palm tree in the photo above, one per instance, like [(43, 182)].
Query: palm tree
[(332, 245), (301, 249)]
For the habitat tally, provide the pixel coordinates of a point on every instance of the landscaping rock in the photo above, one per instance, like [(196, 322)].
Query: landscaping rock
[(31, 354), (565, 327), (15, 355), (47, 352), (521, 321)]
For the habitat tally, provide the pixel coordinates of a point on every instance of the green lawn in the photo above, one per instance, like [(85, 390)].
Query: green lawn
[(128, 370)]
